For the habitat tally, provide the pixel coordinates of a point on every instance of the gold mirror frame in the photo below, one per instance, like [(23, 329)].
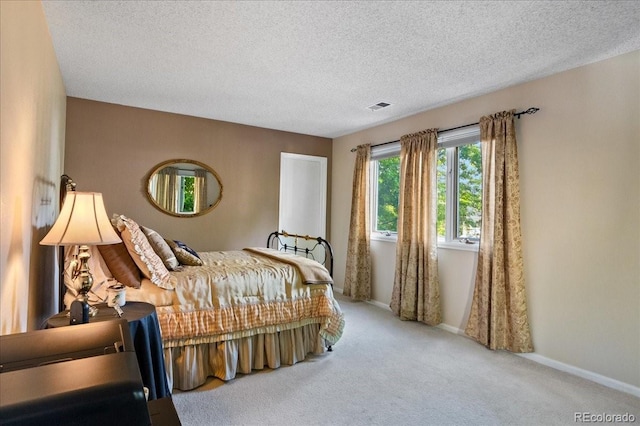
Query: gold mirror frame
[(155, 170)]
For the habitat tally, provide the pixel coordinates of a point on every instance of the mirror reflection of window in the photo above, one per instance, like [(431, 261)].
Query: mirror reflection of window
[(184, 188), (185, 195), (192, 194)]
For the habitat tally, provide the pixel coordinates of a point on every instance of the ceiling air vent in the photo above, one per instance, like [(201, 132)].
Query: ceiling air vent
[(378, 106)]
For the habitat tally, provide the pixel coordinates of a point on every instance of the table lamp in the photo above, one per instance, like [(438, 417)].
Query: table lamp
[(83, 221)]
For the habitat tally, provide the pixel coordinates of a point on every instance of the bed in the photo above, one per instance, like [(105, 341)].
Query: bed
[(225, 312)]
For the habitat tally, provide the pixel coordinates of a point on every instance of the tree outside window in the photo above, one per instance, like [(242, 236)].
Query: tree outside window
[(388, 190), (460, 183), (469, 191), (187, 195)]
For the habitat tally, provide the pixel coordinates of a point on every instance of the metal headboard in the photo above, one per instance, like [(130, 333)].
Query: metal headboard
[(325, 256)]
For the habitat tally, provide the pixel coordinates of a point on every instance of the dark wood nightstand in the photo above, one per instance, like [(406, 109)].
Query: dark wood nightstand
[(163, 412), (147, 341)]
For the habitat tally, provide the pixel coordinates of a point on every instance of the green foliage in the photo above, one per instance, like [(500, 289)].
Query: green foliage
[(388, 190), (187, 193), (442, 191), (469, 190)]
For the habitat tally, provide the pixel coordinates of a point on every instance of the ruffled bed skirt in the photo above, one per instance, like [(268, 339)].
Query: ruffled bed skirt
[(189, 366)]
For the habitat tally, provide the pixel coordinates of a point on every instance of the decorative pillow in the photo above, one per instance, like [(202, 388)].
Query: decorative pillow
[(187, 248), (142, 253), (161, 248), (121, 264), (185, 254)]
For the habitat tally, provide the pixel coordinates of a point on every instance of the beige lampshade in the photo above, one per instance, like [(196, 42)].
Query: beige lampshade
[(82, 220)]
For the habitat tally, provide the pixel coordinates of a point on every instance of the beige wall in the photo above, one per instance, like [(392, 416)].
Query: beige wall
[(32, 120), (580, 187), (111, 148)]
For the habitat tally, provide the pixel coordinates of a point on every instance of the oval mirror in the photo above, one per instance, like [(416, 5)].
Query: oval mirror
[(184, 188)]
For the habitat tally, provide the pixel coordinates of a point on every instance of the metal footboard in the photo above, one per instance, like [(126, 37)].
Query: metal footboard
[(316, 248)]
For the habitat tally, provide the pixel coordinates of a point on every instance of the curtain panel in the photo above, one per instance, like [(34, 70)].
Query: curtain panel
[(498, 318), (357, 283), (200, 190), (416, 289), (166, 183)]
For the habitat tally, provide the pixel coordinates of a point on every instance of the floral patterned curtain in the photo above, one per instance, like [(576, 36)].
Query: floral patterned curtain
[(416, 289), (498, 317), (357, 283)]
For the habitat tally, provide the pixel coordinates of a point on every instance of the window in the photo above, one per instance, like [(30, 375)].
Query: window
[(186, 181), (459, 184), (385, 189)]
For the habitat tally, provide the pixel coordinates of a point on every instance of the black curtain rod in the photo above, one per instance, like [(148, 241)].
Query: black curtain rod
[(531, 110)]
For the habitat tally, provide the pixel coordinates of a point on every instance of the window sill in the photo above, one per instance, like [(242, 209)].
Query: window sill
[(451, 245), (376, 236), (457, 245)]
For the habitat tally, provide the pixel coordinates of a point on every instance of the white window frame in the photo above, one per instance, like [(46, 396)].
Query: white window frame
[(380, 152), (182, 174), (450, 139)]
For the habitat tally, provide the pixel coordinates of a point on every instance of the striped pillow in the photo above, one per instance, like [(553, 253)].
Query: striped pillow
[(120, 264), (161, 248)]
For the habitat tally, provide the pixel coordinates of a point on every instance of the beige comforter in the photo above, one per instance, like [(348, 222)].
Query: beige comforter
[(238, 294)]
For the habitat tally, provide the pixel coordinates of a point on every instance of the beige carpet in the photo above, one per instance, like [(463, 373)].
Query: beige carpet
[(388, 372)]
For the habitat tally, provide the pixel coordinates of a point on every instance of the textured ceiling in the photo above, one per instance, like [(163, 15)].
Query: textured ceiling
[(315, 67)]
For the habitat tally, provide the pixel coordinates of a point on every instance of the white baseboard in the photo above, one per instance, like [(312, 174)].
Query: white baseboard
[(379, 304), (567, 368), (371, 302), (585, 374), (451, 329)]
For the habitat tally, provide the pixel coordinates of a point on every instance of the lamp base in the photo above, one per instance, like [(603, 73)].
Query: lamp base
[(79, 312)]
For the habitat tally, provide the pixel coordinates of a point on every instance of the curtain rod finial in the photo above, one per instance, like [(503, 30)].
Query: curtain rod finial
[(531, 110)]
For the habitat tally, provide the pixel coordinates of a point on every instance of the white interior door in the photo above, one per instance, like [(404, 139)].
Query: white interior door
[(303, 194)]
